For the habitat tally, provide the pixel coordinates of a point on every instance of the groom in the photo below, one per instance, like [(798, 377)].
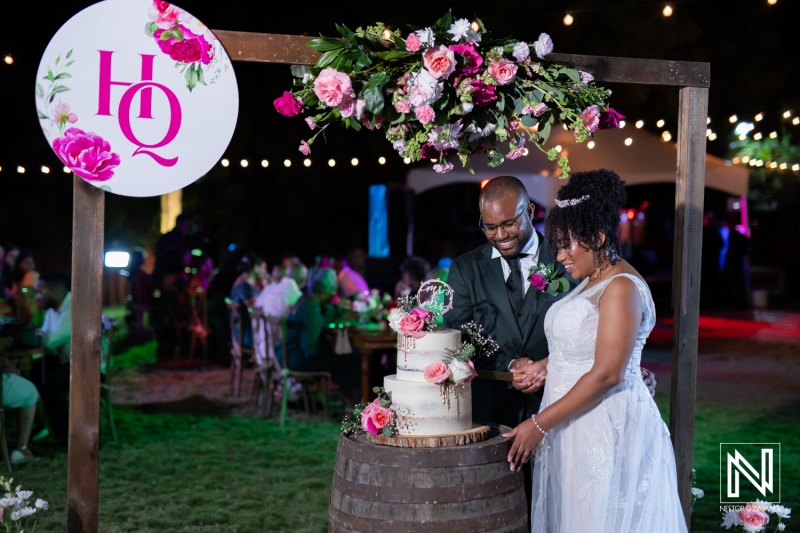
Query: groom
[(491, 286)]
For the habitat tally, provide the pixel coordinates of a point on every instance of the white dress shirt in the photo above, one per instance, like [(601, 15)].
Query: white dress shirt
[(526, 262), (277, 299), (56, 329)]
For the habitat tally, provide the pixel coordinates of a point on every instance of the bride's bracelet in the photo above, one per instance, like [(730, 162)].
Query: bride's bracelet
[(533, 417)]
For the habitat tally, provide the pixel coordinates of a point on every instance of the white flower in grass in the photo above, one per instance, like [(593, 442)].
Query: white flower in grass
[(8, 501), (25, 512), (24, 494), (730, 519), (698, 493), (41, 504), (521, 51), (781, 526), (779, 510), (459, 29)]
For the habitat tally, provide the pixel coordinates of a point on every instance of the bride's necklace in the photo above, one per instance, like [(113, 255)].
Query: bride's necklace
[(599, 271)]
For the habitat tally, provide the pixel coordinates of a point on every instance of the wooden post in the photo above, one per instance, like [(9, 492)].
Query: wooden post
[(88, 206), (689, 190)]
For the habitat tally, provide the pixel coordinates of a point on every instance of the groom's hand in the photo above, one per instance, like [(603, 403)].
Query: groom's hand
[(649, 381), (529, 375)]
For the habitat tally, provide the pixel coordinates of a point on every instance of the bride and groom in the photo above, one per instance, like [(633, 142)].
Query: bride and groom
[(579, 402)]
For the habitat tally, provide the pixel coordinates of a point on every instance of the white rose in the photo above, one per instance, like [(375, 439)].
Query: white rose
[(459, 371), (425, 89), (395, 317)]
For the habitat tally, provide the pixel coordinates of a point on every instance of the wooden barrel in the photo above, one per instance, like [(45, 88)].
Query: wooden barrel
[(462, 489)]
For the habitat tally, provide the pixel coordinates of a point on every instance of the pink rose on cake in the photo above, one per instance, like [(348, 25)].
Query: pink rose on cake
[(413, 324), (437, 372), (374, 417), (461, 372)]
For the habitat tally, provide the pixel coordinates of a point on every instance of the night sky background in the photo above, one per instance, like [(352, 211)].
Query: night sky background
[(752, 48)]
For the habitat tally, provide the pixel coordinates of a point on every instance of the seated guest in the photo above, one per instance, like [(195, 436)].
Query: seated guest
[(278, 298), (349, 281), (244, 293), (7, 265), (307, 346), (55, 300), (413, 272), (20, 394), (23, 289)]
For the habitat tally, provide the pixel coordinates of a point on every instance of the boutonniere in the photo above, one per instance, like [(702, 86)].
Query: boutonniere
[(546, 279)]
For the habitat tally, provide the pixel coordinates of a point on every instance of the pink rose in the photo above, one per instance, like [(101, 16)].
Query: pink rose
[(482, 93), (503, 72), (412, 325), (609, 120), (538, 281), (473, 58), (437, 372), (366, 418), (333, 87), (311, 123), (189, 48), (753, 516), (164, 14), (86, 154), (424, 314), (474, 372), (381, 417), (591, 118), (287, 105), (425, 114), (402, 106), (412, 42), (439, 61), (353, 108), (305, 148), (539, 109)]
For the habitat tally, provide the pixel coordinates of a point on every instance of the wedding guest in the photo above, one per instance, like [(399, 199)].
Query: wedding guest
[(20, 394), (413, 272), (55, 299), (140, 285), (23, 289), (279, 297), (307, 346), (11, 253), (219, 288), (598, 426), (349, 281), (244, 293)]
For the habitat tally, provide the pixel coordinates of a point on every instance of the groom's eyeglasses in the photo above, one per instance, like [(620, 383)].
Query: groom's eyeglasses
[(508, 225)]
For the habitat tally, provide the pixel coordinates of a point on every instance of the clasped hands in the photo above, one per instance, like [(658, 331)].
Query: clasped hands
[(529, 375)]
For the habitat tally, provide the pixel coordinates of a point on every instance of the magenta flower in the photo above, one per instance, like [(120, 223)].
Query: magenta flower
[(473, 59), (482, 93), (180, 44), (86, 154), (287, 105), (609, 120), (538, 281)]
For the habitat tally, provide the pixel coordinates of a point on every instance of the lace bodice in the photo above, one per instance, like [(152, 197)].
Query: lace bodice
[(571, 327)]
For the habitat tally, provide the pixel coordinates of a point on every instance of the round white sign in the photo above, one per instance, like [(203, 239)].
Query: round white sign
[(137, 97)]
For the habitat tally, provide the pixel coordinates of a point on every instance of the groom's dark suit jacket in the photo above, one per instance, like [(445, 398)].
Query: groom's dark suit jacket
[(480, 295)]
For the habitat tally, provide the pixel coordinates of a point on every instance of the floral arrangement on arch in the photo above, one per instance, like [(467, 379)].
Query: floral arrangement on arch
[(457, 367), (446, 90), (17, 511), (411, 319), (755, 517)]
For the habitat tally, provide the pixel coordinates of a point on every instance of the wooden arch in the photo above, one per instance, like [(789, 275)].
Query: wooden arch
[(693, 81)]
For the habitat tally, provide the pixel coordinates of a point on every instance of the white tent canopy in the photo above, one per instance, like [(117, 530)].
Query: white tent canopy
[(646, 160)]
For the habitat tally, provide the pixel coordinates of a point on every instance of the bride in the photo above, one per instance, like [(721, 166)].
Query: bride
[(603, 458)]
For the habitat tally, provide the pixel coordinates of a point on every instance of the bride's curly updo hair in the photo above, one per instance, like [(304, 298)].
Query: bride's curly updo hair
[(586, 207)]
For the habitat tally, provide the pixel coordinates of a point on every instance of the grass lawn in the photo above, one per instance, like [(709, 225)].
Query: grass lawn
[(181, 473)]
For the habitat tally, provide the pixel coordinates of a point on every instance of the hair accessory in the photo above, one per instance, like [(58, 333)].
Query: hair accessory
[(572, 201)]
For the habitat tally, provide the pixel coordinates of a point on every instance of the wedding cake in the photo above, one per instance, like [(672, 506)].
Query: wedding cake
[(422, 407)]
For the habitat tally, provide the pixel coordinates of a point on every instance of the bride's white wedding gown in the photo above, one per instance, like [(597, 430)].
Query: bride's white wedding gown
[(612, 468)]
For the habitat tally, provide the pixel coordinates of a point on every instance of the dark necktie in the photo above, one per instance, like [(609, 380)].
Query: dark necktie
[(514, 284)]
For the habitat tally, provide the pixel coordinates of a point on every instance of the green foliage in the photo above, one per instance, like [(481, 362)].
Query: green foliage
[(769, 187)]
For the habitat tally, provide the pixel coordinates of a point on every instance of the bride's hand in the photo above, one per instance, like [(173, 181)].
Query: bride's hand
[(526, 438), (529, 375), (649, 381)]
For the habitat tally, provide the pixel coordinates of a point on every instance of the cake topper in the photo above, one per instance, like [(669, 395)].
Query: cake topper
[(436, 296)]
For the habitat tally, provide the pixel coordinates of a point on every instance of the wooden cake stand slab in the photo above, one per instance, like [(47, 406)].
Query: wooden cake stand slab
[(476, 434)]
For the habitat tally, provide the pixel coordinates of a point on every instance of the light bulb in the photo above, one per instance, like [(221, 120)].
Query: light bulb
[(667, 11), (568, 20)]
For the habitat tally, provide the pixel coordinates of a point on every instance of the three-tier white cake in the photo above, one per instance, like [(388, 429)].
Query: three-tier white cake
[(424, 408)]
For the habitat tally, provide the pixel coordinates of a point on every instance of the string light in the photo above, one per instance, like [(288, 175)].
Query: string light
[(795, 167), (667, 11), (660, 123), (621, 124), (568, 20), (666, 136), (708, 132), (354, 161), (45, 170), (306, 163), (264, 163), (712, 137), (287, 163), (331, 163), (475, 26), (244, 163), (66, 170), (736, 161), (1, 169), (759, 117), (708, 120), (558, 148), (784, 166), (20, 170), (772, 2), (225, 163), (796, 121), (639, 124), (787, 114), (757, 136), (381, 160), (628, 141), (746, 159), (742, 137), (8, 59), (407, 160), (773, 135), (387, 34), (590, 145), (733, 118)]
